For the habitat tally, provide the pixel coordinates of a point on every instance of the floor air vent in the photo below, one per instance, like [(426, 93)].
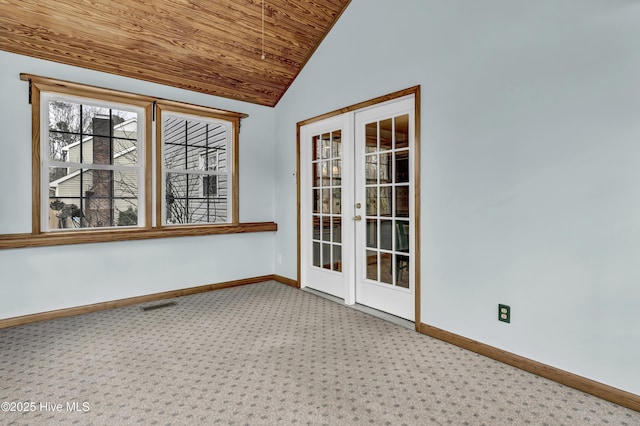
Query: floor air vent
[(160, 306)]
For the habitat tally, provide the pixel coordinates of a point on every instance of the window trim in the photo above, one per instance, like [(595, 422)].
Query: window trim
[(38, 238), (38, 85)]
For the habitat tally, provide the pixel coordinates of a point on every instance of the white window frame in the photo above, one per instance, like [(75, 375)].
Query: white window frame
[(228, 173), (45, 162)]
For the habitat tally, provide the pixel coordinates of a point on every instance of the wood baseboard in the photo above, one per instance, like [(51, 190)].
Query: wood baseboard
[(608, 393), (287, 281), (61, 313)]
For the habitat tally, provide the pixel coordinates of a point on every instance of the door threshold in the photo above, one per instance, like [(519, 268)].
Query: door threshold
[(367, 310)]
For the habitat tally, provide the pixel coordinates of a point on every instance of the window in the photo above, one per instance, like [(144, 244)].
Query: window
[(93, 154), (209, 184), (92, 173), (196, 153)]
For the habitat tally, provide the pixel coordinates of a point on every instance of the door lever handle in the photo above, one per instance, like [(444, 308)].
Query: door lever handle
[(357, 218)]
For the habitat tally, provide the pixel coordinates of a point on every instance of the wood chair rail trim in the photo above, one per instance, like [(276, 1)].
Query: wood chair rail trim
[(12, 241)]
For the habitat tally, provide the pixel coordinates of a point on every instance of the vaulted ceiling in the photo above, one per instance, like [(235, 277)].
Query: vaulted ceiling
[(208, 46)]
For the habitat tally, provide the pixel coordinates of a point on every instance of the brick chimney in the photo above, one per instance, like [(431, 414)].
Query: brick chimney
[(99, 202)]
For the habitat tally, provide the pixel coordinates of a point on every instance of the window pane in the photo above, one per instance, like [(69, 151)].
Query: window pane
[(64, 147), (402, 236), (386, 232), (192, 198), (192, 145), (326, 256), (386, 269), (316, 175), (385, 167), (402, 131), (125, 202), (337, 230), (372, 265), (196, 133), (316, 201), (336, 173), (386, 135), (326, 229), (402, 271), (218, 156), (326, 177), (372, 201), (337, 258), (64, 116), (402, 167), (92, 199), (97, 198), (326, 146), (371, 169), (337, 201), (385, 201), (316, 254), (175, 134), (125, 152), (402, 201), (371, 132), (326, 202), (317, 148), (95, 120), (107, 134), (336, 138), (316, 227), (64, 199), (372, 233), (187, 157)]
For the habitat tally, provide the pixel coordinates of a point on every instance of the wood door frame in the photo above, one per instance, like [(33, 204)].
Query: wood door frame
[(415, 91)]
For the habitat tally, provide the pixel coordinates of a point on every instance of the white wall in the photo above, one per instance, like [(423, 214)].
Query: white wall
[(530, 165), (41, 279)]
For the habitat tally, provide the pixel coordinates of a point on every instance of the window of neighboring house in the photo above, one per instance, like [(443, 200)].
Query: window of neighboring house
[(93, 155), (92, 173), (209, 183), (197, 167)]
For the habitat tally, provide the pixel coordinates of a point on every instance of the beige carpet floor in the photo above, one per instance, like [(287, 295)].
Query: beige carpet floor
[(267, 354)]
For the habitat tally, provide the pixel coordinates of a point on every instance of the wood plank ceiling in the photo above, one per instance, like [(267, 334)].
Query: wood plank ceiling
[(208, 46)]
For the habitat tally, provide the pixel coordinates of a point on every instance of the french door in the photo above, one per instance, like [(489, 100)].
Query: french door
[(356, 207), (326, 231)]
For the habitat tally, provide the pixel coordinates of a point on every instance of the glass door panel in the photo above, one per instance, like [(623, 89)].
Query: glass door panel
[(326, 170), (387, 189)]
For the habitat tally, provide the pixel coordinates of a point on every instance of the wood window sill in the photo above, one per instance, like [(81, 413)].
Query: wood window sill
[(10, 241)]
